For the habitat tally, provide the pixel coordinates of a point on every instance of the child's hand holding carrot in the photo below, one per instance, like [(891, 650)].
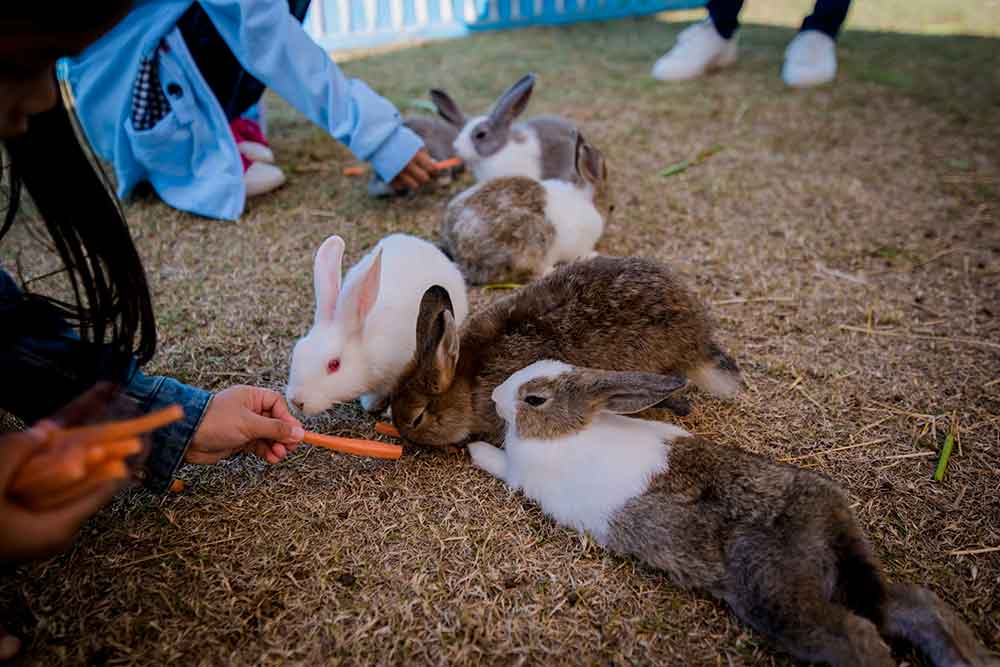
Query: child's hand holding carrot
[(245, 419), (26, 533), (416, 174)]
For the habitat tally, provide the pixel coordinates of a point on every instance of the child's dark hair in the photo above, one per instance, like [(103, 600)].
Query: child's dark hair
[(111, 304)]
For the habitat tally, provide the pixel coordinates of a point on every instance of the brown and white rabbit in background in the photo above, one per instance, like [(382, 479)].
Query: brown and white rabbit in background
[(363, 336), (493, 146), (439, 140), (517, 229), (620, 313), (778, 544)]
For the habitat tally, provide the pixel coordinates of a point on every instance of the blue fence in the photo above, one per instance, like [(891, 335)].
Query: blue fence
[(349, 24)]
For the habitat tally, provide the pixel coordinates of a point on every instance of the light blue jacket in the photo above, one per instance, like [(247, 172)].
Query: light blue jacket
[(190, 156)]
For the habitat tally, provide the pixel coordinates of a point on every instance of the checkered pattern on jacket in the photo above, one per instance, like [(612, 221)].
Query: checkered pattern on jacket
[(149, 103)]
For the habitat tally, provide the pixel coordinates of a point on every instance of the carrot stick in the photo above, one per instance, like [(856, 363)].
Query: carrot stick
[(121, 449), (41, 465), (382, 428), (448, 164), (378, 450), (177, 486), (105, 472), (355, 171), (122, 430)]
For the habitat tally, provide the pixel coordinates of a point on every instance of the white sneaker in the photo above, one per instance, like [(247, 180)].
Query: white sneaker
[(256, 152), (810, 59), (262, 177), (699, 48)]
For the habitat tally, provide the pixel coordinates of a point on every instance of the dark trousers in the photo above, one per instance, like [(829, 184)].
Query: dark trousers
[(233, 86), (827, 16)]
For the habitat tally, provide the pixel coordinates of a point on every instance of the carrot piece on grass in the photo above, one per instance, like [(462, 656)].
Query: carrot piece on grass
[(378, 450), (448, 164), (355, 171), (177, 486), (383, 428), (106, 472)]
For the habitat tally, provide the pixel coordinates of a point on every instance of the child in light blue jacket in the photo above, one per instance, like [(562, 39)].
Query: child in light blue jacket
[(161, 95)]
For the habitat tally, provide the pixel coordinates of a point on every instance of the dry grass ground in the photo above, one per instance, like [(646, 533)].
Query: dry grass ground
[(849, 238)]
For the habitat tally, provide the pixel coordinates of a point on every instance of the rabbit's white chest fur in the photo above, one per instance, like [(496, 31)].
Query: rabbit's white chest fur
[(583, 479), (578, 224), (521, 156)]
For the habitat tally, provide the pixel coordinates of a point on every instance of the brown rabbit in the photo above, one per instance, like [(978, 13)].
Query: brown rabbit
[(622, 313), (778, 544), (517, 229)]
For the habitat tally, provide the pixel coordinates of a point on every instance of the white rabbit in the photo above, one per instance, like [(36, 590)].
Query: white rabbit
[(363, 334), (778, 544), (541, 148)]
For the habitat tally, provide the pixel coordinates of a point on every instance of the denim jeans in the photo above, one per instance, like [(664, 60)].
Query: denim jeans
[(827, 16), (44, 365), (235, 88)]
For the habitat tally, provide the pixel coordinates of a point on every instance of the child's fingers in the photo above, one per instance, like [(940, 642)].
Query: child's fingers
[(9, 645)]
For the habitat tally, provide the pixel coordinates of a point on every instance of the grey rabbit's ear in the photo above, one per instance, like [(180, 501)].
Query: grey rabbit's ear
[(627, 392), (437, 340), (590, 163), (513, 102), (447, 108)]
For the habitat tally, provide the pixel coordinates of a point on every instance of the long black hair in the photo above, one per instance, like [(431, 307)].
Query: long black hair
[(111, 305)]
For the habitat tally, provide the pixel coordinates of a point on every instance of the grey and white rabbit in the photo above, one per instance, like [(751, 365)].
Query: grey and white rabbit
[(493, 146), (517, 229), (439, 139), (621, 313), (778, 544)]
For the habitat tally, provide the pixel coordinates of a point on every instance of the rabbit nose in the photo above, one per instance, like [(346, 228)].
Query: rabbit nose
[(298, 404)]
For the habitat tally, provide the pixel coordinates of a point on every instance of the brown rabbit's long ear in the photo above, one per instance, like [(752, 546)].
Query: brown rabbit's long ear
[(626, 392), (590, 163), (447, 108), (437, 340), (513, 102)]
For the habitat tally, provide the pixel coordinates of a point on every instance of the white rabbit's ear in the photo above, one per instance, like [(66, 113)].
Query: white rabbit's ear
[(447, 108), (628, 392), (326, 277), (513, 102), (361, 294)]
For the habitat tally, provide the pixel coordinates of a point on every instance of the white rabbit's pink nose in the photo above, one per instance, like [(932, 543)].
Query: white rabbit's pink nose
[(298, 404)]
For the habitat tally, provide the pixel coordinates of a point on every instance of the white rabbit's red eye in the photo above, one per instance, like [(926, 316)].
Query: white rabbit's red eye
[(333, 366)]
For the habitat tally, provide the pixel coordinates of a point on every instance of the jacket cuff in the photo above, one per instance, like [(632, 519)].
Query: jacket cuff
[(169, 443), (395, 153)]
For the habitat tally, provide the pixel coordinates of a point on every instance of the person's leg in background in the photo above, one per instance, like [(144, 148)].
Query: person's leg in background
[(704, 46), (811, 58), (239, 94)]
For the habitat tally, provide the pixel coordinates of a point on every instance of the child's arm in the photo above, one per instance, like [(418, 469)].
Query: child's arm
[(268, 41)]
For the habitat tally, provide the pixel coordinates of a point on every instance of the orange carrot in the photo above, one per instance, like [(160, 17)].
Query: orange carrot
[(105, 472), (355, 171), (378, 450), (121, 449), (382, 428), (448, 164), (177, 486), (122, 430)]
